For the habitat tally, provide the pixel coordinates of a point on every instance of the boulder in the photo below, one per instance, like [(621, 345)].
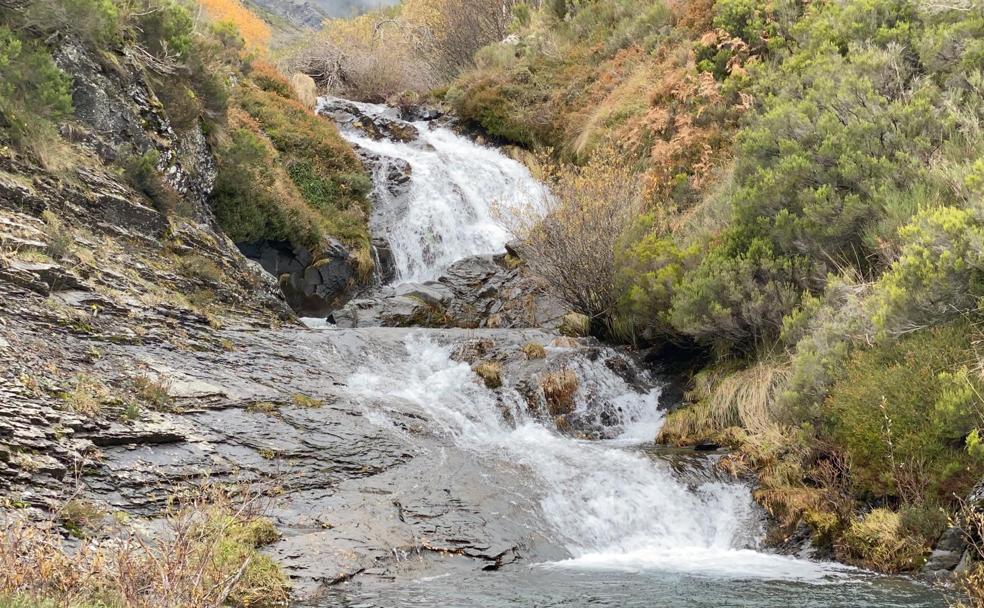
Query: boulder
[(313, 287), (480, 291), (349, 115)]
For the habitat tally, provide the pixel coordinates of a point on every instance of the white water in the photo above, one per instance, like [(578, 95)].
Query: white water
[(448, 213), (611, 507)]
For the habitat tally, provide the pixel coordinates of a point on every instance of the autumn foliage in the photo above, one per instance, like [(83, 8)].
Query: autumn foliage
[(254, 31)]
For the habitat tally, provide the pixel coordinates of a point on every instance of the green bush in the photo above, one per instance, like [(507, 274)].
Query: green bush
[(34, 93), (252, 199), (903, 410), (166, 28), (97, 22), (879, 541), (939, 274)]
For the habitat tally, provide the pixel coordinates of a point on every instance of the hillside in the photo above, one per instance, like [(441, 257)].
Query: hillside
[(688, 290)]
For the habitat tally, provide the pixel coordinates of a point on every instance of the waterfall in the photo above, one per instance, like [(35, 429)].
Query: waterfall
[(448, 211), (609, 505)]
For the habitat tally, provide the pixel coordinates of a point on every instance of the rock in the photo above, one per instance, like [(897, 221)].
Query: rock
[(480, 291), (946, 555), (52, 275), (312, 287), (420, 112), (349, 115), (393, 173), (119, 111), (384, 259)]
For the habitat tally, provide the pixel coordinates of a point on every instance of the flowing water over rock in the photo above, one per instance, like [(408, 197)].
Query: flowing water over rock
[(446, 211), (561, 519), (399, 477)]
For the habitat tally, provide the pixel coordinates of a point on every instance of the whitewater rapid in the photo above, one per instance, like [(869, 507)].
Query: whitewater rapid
[(610, 505), (452, 209)]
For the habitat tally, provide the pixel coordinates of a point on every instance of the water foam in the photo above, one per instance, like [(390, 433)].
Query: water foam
[(449, 211), (611, 507)]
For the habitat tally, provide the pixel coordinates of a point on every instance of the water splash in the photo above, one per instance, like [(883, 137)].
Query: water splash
[(610, 507), (448, 211)]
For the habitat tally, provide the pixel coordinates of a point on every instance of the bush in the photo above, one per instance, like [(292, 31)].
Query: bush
[(571, 235), (879, 541), (34, 93), (490, 372), (206, 556), (286, 174), (559, 390), (166, 28), (903, 420), (939, 274), (534, 350), (97, 22)]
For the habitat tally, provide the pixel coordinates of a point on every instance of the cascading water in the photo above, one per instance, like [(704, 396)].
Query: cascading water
[(448, 212), (610, 507), (601, 522)]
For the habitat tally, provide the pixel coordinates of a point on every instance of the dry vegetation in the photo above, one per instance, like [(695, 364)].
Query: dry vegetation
[(490, 372), (400, 52), (559, 391), (205, 558)]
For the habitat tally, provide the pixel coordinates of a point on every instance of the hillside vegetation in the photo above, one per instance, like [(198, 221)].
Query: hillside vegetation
[(813, 180), (283, 173)]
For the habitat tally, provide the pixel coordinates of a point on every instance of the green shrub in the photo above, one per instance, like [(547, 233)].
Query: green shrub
[(879, 541), (97, 22), (288, 174), (166, 28), (34, 93), (939, 274), (902, 412), (254, 200)]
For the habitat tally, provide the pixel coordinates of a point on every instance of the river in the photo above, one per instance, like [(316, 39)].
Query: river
[(609, 522)]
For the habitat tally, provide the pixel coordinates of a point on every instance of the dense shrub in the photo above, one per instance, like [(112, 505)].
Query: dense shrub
[(97, 22), (320, 165), (902, 412), (33, 91)]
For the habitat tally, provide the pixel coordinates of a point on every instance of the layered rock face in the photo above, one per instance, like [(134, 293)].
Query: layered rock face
[(481, 291)]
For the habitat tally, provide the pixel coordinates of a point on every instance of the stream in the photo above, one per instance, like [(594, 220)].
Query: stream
[(556, 520)]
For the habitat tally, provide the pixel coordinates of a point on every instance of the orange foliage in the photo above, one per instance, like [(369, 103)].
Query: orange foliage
[(254, 31)]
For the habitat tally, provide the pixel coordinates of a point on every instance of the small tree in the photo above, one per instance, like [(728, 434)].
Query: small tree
[(570, 236)]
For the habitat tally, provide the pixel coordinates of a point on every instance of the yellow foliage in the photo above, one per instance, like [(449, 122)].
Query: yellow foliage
[(254, 31)]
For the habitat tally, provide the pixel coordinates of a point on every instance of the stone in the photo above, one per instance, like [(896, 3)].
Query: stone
[(312, 287), (349, 115)]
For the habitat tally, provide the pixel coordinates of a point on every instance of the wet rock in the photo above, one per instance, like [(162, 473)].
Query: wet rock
[(946, 555), (481, 291), (312, 287), (349, 115), (390, 173), (385, 261), (420, 112)]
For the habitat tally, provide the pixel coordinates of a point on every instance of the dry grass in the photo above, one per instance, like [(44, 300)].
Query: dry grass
[(153, 391), (207, 557), (86, 396), (879, 541), (534, 350), (559, 390), (305, 401), (722, 399), (490, 372), (59, 239), (971, 581)]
